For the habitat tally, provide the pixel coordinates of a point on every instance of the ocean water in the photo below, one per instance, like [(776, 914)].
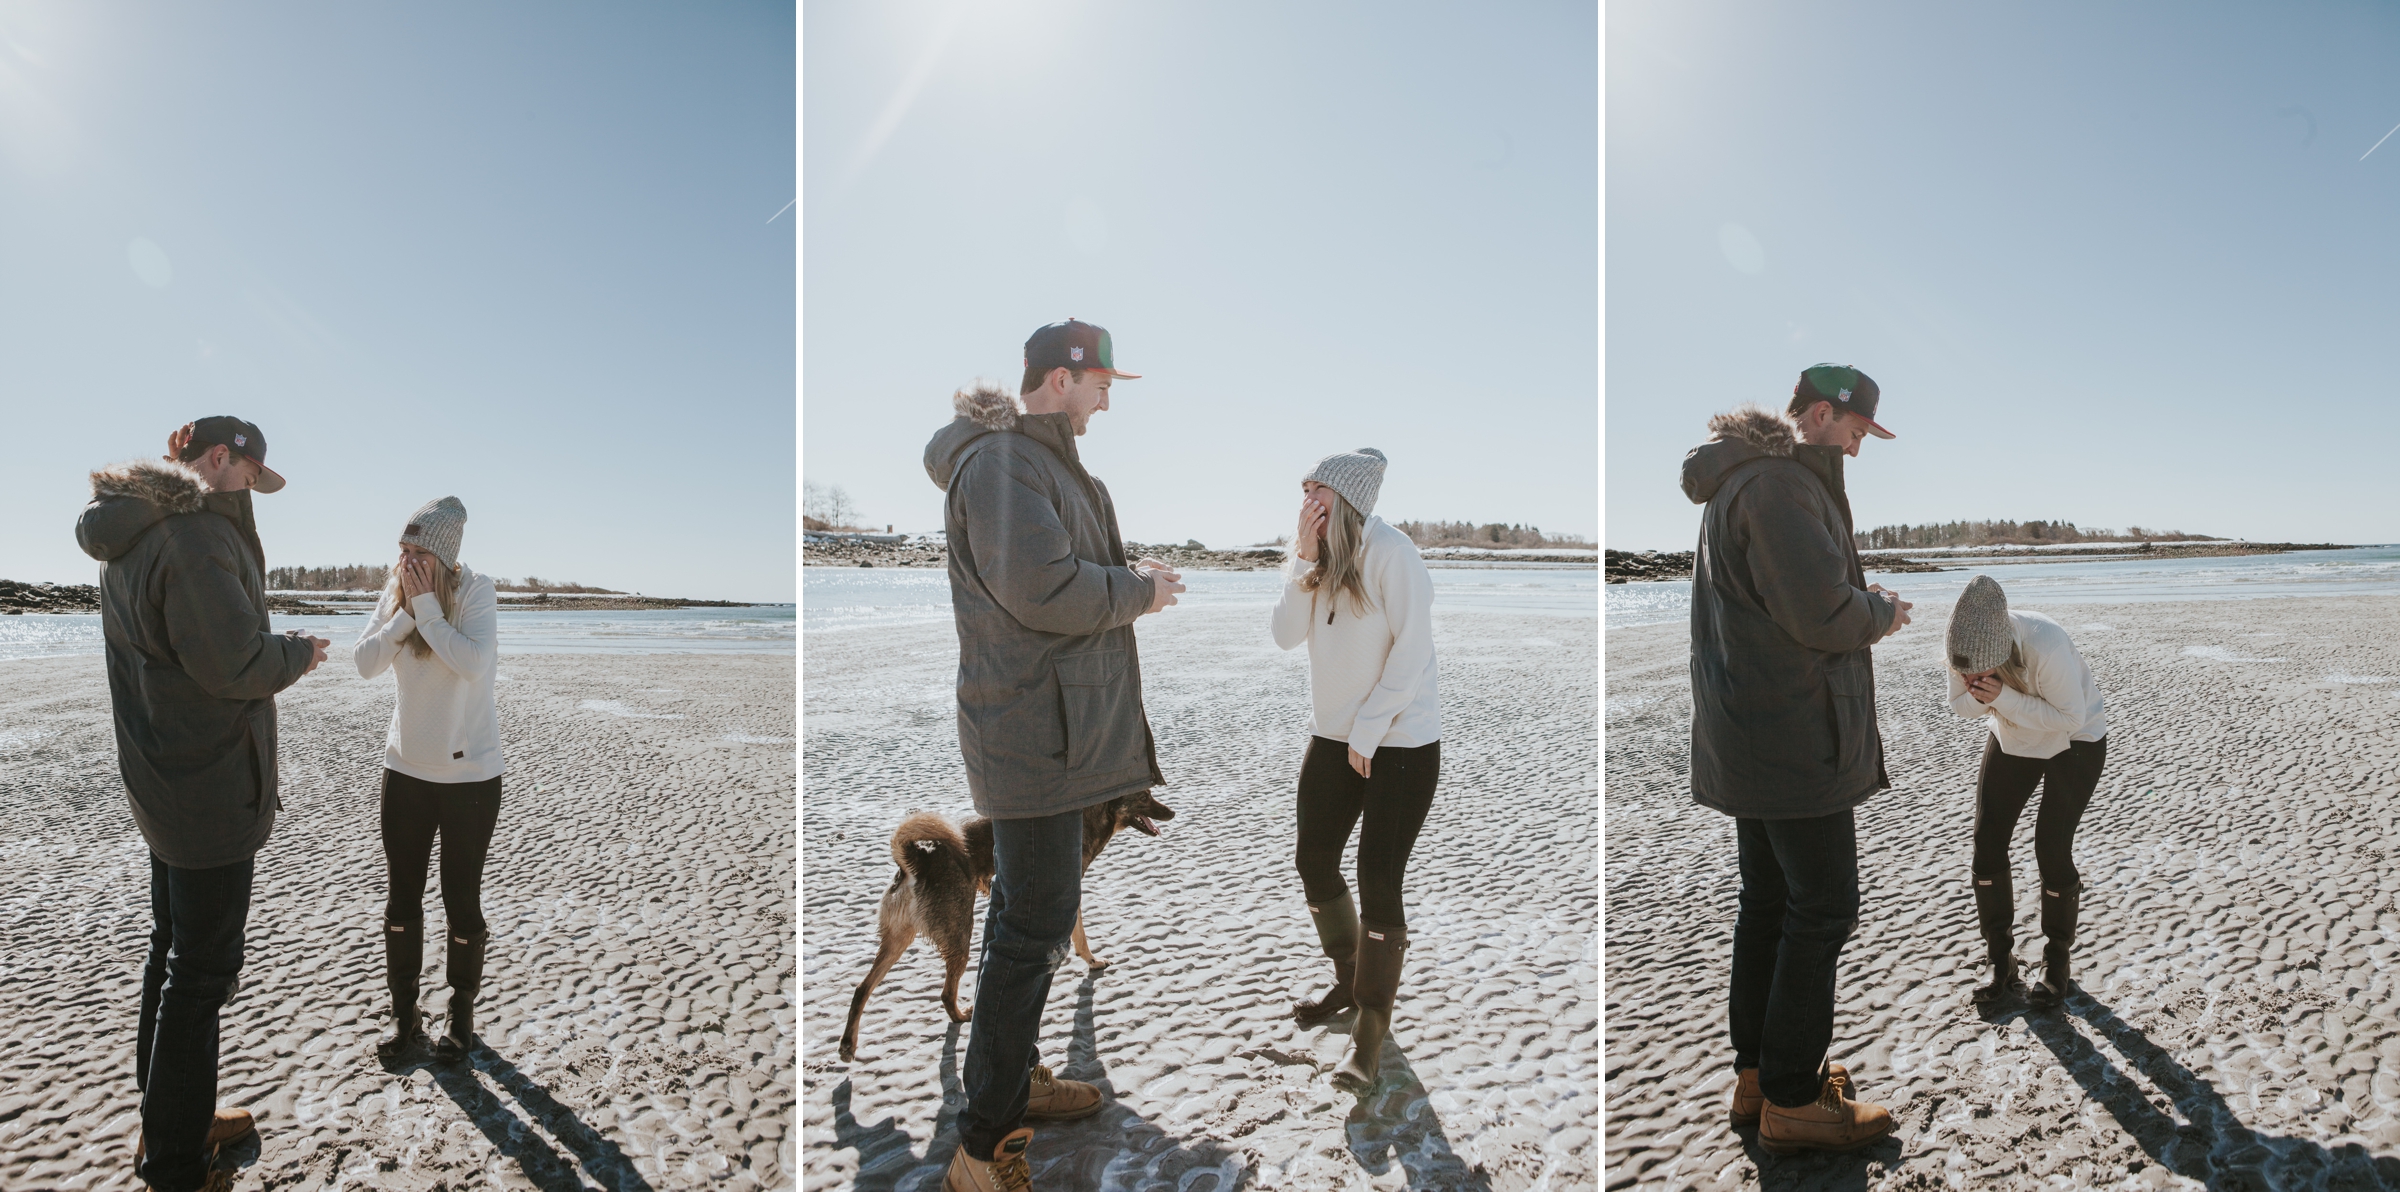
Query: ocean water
[(2366, 570), (838, 598), (772, 628)]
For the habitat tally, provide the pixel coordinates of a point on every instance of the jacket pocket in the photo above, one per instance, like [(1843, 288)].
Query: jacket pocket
[(1093, 705), (1851, 691)]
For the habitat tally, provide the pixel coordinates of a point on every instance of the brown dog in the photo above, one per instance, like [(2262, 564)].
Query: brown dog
[(942, 869)]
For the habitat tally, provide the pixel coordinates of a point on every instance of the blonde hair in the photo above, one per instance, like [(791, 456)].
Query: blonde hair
[(1338, 568), (445, 590), (2012, 672)]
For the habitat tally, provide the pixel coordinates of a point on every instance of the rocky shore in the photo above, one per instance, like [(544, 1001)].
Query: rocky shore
[(18, 597), (854, 553), (1625, 566)]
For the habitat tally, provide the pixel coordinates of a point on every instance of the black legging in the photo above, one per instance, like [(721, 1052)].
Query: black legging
[(2067, 781), (1394, 803), (464, 813)]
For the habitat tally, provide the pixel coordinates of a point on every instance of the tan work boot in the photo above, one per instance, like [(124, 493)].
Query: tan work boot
[(1832, 1122), (231, 1125), (1056, 1099), (1748, 1101), (1005, 1171)]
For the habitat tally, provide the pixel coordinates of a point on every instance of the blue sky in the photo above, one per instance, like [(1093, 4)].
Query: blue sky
[(521, 254), (2111, 264), (1311, 227)]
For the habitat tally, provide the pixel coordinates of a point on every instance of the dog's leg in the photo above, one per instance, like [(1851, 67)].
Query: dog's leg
[(955, 965), (896, 939), (952, 934), (1083, 947)]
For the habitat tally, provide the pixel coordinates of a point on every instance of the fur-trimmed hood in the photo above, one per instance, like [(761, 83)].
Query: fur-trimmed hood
[(1736, 437), (985, 408), (131, 497)]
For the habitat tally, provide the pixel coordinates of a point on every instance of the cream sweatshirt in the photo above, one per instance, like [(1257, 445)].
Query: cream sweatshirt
[(1371, 676), (2064, 706), (446, 725)]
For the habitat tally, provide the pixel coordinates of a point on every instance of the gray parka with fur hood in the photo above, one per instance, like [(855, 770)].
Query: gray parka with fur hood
[(193, 664), (1783, 680), (1049, 682)]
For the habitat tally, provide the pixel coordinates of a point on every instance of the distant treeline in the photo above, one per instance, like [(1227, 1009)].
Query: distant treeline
[(2008, 533), (362, 577), (365, 577), (1491, 534)]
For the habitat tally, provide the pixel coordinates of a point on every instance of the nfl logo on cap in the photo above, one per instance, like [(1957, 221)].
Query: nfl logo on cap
[(241, 440), (1075, 353)]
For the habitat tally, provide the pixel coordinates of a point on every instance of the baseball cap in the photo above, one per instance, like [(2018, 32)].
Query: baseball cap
[(1850, 391), (1074, 344), (244, 438)]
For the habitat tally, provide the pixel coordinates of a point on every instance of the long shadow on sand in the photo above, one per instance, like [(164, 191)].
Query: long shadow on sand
[(2213, 1145), (1395, 1123), (1113, 1148), (602, 1161), (887, 1156)]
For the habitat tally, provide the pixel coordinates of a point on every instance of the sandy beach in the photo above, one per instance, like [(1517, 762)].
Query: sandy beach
[(1213, 1086), (637, 1012), (2237, 1026)]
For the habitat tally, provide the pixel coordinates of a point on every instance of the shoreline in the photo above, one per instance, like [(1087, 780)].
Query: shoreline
[(1627, 566), (856, 553), (18, 597)]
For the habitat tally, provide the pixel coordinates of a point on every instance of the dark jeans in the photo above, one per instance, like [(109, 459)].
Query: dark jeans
[(464, 814), (1037, 886), (1393, 802), (196, 920), (2067, 781), (1799, 904)]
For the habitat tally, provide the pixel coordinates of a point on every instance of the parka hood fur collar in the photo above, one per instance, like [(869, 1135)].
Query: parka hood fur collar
[(131, 497), (1736, 437), (1760, 427), (984, 408), (173, 487), (989, 406)]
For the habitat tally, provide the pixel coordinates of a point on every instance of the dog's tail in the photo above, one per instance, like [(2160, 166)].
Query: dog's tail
[(923, 836)]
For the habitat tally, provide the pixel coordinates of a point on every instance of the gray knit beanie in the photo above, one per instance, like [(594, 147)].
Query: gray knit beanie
[(1980, 637), (437, 527), (1357, 475)]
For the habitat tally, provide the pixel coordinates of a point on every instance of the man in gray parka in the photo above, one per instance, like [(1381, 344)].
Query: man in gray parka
[(1050, 714), (193, 668), (1784, 737)]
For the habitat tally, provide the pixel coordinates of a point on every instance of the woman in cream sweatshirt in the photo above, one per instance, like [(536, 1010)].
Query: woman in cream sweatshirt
[(2049, 729), (437, 631), (1358, 594)]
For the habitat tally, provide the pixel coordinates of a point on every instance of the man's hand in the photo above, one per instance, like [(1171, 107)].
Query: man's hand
[(318, 643), (1985, 688), (1312, 527), (1163, 585), (1364, 765), (1899, 608)]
